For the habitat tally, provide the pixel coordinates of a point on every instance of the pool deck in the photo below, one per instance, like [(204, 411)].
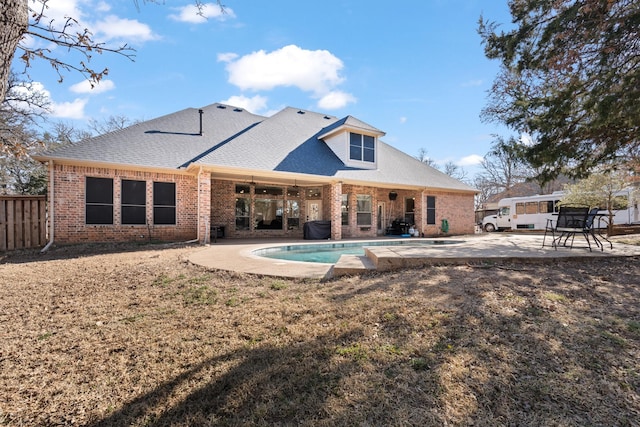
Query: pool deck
[(236, 255)]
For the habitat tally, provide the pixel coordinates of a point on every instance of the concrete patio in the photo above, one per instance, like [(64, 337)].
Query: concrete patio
[(237, 255)]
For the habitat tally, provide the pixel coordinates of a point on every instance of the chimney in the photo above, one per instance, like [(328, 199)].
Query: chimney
[(201, 112)]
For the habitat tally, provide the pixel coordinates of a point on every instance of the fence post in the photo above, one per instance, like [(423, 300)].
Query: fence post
[(3, 225)]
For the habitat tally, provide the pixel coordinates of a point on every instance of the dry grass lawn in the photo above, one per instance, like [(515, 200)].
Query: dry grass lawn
[(137, 336)]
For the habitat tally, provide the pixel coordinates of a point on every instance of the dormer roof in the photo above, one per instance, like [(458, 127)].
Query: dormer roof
[(350, 123)]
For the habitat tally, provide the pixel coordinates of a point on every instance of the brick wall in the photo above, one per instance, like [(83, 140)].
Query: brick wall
[(335, 206), (457, 209), (69, 200), (217, 206), (223, 205), (353, 230), (204, 211)]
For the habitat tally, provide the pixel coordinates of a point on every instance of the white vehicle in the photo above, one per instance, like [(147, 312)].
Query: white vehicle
[(532, 212), (529, 213)]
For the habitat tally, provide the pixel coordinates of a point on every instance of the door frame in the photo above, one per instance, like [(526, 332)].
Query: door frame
[(313, 214)]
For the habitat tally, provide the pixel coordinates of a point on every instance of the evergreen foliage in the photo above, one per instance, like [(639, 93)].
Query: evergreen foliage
[(570, 78)]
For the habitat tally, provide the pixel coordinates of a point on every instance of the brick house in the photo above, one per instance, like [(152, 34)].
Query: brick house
[(223, 170)]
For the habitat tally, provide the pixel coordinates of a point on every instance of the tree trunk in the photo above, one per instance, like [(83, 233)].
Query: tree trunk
[(14, 22)]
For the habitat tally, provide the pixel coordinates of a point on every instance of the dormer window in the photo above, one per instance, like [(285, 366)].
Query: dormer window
[(354, 142), (362, 147)]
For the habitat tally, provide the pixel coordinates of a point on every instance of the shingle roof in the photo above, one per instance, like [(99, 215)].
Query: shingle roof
[(170, 141), (236, 139)]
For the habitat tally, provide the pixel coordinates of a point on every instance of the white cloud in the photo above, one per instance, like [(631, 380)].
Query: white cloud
[(472, 160), (85, 87), (335, 100), (254, 104), (315, 71), (91, 15), (114, 27), (69, 110), (59, 10), (193, 15), (227, 57), (403, 120)]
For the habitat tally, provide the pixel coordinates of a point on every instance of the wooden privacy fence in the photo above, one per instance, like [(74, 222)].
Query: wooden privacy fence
[(23, 222)]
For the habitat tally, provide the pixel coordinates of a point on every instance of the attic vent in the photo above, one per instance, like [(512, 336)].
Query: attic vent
[(222, 107), (300, 112), (327, 117), (237, 110)]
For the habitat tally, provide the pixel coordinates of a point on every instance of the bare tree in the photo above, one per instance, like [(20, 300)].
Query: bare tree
[(424, 158), (22, 18), (485, 191), (16, 25), (22, 107), (601, 190), (20, 111), (450, 168), (110, 124), (16, 167), (62, 134), (19, 173), (503, 166), (22, 175), (455, 171)]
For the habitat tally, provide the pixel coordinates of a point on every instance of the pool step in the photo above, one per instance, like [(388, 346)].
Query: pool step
[(352, 264)]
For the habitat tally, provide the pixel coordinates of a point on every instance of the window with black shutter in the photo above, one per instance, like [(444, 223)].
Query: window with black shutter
[(431, 210), (98, 201), (164, 203), (133, 209)]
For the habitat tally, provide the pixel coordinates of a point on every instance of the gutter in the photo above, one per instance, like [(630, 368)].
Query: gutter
[(108, 165), (51, 209)]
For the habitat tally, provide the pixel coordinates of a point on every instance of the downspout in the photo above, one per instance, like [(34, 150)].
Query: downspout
[(51, 209), (197, 239)]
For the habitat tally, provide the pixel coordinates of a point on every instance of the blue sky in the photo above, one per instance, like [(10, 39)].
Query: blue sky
[(414, 69)]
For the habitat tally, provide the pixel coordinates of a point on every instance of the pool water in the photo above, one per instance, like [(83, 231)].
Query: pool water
[(330, 253)]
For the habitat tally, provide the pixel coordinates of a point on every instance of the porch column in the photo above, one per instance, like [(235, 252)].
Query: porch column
[(204, 206), (420, 212), (335, 200)]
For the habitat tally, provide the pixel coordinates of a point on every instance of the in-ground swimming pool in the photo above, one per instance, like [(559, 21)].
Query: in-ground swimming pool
[(330, 252)]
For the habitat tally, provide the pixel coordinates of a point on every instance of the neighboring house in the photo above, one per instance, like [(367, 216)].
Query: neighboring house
[(222, 169)]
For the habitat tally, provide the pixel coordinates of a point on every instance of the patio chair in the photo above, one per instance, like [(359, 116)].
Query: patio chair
[(595, 231), (571, 220)]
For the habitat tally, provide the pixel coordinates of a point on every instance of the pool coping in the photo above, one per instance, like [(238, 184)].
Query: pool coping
[(350, 244), (237, 255)]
